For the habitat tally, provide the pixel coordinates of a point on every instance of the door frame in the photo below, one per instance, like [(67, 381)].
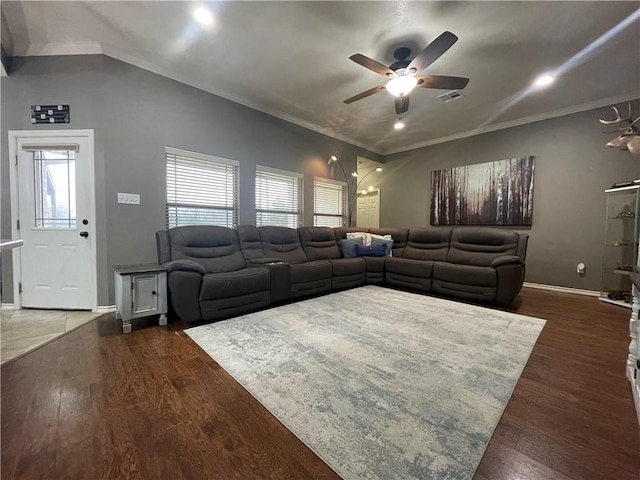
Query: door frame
[(14, 136)]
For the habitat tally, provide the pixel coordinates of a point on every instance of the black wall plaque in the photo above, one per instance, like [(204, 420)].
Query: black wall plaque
[(50, 114)]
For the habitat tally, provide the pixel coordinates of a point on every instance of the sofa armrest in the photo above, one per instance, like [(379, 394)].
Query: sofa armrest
[(279, 276), (510, 280), (507, 260), (184, 265), (184, 293)]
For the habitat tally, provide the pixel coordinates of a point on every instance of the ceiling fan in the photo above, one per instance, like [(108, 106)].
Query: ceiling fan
[(402, 74)]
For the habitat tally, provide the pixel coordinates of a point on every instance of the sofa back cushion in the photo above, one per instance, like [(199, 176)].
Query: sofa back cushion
[(480, 246), (428, 244), (217, 249), (319, 243), (282, 243), (399, 236), (250, 241)]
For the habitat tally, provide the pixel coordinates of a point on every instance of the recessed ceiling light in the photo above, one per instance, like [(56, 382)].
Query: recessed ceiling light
[(203, 16), (379, 169), (544, 80), (399, 125)]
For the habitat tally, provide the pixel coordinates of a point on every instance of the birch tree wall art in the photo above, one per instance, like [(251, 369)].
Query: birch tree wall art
[(493, 193)]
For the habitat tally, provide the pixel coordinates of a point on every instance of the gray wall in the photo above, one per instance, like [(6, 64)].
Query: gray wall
[(571, 173), (135, 114)]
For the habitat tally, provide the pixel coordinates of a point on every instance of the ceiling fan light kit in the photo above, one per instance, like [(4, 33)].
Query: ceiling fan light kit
[(402, 74), (402, 85)]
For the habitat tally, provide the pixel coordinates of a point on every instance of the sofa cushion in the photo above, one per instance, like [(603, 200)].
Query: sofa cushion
[(234, 284), (319, 243), (388, 244), (378, 250), (341, 232), (427, 244), (480, 246), (409, 267), (310, 271), (465, 274), (282, 243), (399, 236), (348, 247), (348, 266), (217, 249), (364, 236), (250, 244)]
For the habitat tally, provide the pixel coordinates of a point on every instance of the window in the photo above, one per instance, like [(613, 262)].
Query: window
[(329, 203), (201, 189), (278, 198), (54, 188)]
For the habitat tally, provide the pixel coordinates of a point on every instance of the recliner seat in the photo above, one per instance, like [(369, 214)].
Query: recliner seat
[(207, 274)]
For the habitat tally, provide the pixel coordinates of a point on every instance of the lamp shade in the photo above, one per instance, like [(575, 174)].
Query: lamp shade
[(402, 85)]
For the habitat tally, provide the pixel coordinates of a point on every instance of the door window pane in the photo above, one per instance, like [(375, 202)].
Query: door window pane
[(54, 189)]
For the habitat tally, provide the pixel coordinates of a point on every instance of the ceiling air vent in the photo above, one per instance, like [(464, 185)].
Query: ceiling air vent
[(450, 96)]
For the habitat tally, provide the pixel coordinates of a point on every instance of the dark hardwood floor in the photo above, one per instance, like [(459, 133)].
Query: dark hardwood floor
[(151, 405)]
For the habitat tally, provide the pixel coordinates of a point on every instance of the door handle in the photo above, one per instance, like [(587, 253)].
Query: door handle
[(84, 234)]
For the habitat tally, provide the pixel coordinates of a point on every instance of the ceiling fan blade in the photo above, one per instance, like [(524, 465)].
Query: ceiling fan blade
[(443, 82), (372, 65), (432, 52), (365, 94), (402, 104)]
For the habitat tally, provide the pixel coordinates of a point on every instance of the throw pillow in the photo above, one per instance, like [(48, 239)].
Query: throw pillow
[(366, 238), (381, 237), (349, 247), (371, 251), (388, 244)]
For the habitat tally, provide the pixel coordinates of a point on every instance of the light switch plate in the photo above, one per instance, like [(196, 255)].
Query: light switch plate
[(129, 198)]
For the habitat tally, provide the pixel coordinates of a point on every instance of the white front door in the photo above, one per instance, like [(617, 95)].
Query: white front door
[(54, 183)]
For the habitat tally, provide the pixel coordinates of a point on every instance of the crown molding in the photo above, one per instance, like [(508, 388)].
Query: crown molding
[(92, 48), (55, 49), (520, 121)]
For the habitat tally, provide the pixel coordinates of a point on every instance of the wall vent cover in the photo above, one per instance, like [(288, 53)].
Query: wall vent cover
[(450, 96)]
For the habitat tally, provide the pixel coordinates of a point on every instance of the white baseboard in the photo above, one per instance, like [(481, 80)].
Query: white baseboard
[(9, 306), (555, 288), (105, 309)]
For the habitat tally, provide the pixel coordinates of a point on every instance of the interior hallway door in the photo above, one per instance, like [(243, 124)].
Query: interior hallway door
[(368, 210)]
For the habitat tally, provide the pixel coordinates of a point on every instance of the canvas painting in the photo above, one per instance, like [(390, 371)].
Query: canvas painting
[(493, 193)]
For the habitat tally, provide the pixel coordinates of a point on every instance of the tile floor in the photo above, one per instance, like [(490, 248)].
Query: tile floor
[(24, 330)]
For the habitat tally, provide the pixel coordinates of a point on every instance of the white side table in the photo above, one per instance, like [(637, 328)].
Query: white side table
[(141, 290)]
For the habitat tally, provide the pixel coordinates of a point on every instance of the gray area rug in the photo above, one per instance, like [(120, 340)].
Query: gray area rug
[(379, 383)]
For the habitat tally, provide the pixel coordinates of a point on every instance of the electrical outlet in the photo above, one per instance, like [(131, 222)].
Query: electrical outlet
[(129, 198)]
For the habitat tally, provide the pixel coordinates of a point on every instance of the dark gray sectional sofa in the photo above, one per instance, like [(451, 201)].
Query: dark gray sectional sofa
[(216, 272)]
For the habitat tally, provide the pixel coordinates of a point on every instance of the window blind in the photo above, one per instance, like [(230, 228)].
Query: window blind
[(278, 198), (329, 203), (201, 189)]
